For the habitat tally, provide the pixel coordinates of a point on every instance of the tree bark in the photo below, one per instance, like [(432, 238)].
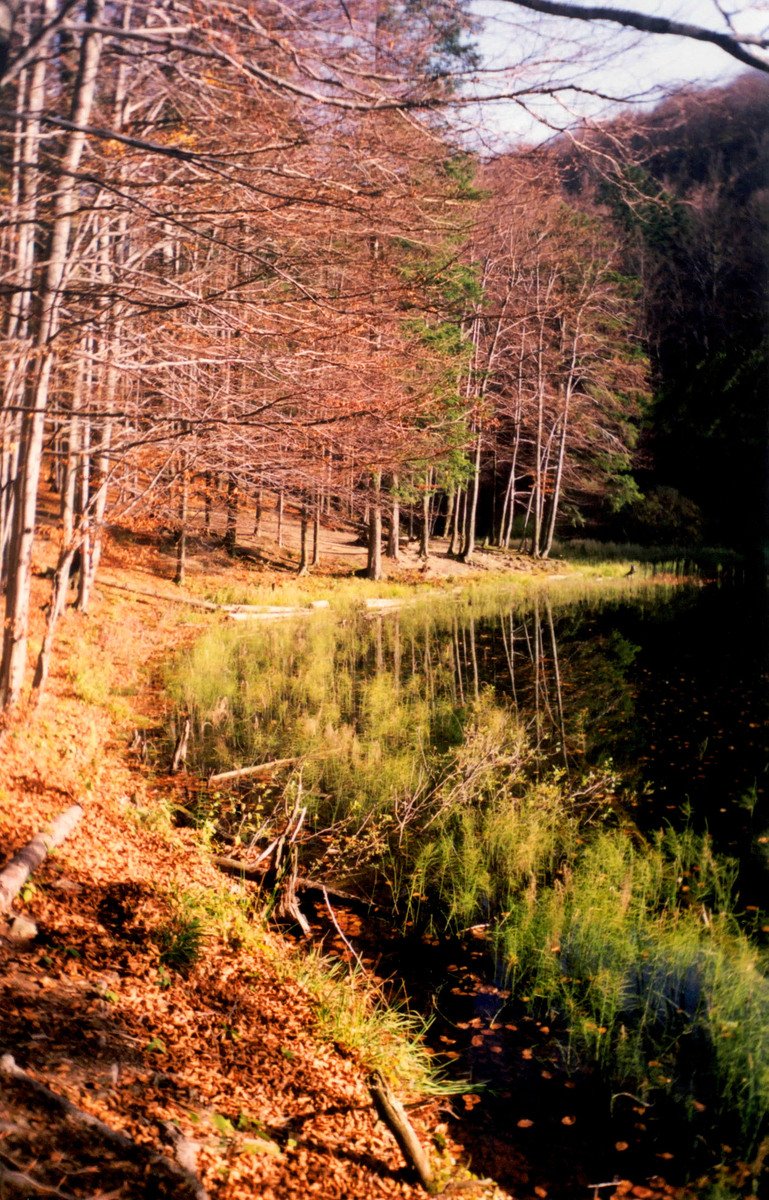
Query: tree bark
[(304, 550), (16, 624), (393, 533), (374, 564), (231, 530), (181, 545), (281, 504), (28, 859), (471, 505), (315, 562), (424, 536)]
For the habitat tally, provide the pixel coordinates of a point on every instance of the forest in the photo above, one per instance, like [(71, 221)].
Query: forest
[(384, 528), (226, 283)]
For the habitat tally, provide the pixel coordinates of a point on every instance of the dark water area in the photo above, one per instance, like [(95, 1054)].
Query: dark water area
[(671, 691), (662, 689)]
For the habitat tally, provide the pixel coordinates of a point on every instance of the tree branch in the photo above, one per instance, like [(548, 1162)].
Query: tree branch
[(731, 43)]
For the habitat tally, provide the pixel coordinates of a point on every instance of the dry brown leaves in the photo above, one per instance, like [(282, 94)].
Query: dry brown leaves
[(228, 1055)]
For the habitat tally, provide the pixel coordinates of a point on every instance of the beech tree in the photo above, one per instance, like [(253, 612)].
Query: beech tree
[(206, 292), (745, 46), (197, 304)]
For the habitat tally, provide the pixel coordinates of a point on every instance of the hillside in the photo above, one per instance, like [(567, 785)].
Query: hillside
[(229, 1050)]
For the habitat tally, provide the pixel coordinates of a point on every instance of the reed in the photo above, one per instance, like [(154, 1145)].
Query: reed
[(638, 947), (418, 777)]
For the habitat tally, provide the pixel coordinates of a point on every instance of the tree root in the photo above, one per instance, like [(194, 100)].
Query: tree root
[(112, 1137)]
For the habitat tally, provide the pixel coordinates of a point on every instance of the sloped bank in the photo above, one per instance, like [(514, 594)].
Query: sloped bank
[(150, 1000)]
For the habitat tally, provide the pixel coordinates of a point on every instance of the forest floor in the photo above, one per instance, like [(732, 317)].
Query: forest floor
[(228, 1053)]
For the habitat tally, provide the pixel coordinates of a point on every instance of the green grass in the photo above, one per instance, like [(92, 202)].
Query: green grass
[(353, 1012), (181, 940), (92, 682), (347, 595), (342, 593), (637, 947), (418, 777), (708, 561)]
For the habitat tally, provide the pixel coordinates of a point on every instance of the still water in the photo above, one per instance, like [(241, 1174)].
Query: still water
[(660, 691), (668, 688), (663, 689)]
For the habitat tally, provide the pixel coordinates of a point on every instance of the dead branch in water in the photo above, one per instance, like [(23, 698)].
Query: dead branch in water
[(393, 1114)]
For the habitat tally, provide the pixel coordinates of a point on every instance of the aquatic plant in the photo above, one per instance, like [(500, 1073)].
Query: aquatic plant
[(440, 767), (637, 946)]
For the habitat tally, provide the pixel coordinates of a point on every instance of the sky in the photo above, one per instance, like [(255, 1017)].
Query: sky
[(518, 46)]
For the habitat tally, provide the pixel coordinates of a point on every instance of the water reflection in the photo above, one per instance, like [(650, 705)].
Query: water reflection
[(670, 690), (667, 687)]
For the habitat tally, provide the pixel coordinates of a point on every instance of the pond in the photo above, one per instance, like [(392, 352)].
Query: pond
[(560, 805)]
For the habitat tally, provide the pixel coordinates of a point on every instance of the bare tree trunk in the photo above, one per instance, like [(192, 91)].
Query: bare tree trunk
[(447, 520), (424, 539), (558, 480), (25, 192), (459, 508), (231, 529), (527, 518), (61, 575), (316, 530), (207, 503), (184, 496), (503, 519), (89, 564), (304, 554), (568, 387), (258, 512), (471, 505), (16, 622), (393, 533), (374, 564), (85, 505), (281, 504)]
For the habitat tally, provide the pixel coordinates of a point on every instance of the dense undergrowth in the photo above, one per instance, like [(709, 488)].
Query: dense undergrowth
[(426, 787)]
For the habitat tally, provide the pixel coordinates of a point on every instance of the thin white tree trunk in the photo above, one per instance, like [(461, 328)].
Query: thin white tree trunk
[(16, 624)]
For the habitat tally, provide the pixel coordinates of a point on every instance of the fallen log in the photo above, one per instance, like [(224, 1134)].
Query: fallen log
[(393, 1114), (112, 1137), (16, 873), (233, 866), (265, 768)]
